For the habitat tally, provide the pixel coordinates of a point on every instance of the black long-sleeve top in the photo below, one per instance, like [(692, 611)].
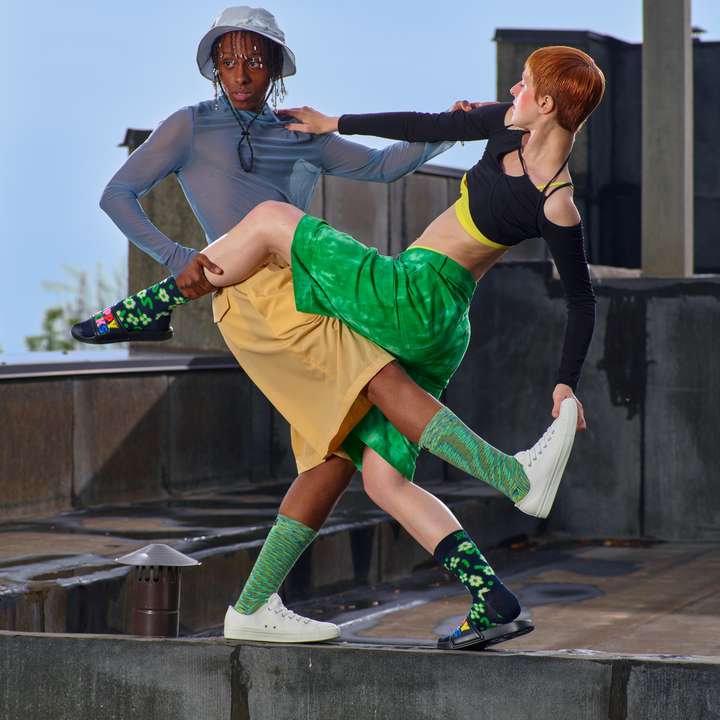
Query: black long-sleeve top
[(505, 209)]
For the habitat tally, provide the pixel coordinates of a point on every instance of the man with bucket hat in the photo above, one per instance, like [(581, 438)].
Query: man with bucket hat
[(230, 154)]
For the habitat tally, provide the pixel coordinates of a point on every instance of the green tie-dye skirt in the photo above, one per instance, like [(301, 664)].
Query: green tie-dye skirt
[(414, 305)]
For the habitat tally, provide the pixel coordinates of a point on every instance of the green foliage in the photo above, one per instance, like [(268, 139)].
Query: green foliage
[(55, 334), (80, 301)]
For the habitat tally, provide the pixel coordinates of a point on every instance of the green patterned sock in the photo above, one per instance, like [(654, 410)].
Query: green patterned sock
[(450, 439), (285, 543), (151, 307), (492, 603)]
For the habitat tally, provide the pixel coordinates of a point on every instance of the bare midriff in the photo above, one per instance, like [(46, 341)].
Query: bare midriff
[(446, 235)]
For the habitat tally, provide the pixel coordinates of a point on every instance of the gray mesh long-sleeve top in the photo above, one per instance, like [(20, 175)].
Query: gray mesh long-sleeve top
[(199, 145)]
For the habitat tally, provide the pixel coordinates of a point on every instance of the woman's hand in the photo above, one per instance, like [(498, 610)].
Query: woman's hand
[(559, 394), (466, 105), (309, 121)]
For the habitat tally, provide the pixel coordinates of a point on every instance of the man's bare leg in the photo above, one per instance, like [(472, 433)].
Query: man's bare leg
[(305, 507), (403, 402), (313, 495), (427, 422)]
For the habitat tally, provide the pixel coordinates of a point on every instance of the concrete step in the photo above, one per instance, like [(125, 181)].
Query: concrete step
[(58, 574), (115, 678)]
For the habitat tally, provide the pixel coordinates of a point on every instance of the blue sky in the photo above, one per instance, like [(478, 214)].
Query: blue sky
[(76, 74)]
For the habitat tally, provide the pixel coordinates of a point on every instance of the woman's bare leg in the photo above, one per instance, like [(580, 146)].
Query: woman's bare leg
[(434, 526), (427, 519), (268, 229)]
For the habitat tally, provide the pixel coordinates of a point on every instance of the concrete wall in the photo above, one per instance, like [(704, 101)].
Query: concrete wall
[(606, 162), (77, 441), (85, 678), (647, 465)]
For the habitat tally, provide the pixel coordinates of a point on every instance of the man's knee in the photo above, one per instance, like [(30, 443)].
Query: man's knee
[(334, 471), (385, 383)]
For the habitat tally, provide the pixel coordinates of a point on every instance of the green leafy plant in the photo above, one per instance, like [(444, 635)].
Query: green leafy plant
[(80, 301)]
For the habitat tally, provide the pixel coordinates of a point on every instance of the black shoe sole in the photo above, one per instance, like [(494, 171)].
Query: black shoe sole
[(474, 640), (116, 336)]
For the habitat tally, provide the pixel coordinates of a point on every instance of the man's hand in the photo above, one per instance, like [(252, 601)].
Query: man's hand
[(559, 394), (309, 121), (466, 105), (192, 282)]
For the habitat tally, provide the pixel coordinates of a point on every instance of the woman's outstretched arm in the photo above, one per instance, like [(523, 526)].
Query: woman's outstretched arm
[(477, 123)]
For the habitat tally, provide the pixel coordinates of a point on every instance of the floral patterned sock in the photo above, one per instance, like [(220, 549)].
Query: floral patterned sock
[(492, 603), (447, 437), (148, 309)]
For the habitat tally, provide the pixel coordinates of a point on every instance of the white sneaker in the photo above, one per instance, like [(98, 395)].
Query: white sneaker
[(273, 622), (544, 463)]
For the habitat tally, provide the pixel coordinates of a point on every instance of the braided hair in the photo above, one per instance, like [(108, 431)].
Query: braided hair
[(273, 56)]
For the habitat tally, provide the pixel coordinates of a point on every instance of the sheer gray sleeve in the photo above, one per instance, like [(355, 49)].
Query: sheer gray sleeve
[(163, 153), (345, 158)]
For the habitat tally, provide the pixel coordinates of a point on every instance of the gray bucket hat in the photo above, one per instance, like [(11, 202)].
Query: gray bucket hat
[(246, 18)]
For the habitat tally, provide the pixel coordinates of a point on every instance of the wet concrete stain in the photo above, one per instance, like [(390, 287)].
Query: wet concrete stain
[(535, 594), (239, 687), (625, 352)]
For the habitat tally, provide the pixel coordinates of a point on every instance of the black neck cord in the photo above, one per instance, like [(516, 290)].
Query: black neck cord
[(245, 135)]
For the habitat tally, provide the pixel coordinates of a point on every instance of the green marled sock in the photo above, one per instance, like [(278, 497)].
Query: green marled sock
[(451, 440), (285, 543)]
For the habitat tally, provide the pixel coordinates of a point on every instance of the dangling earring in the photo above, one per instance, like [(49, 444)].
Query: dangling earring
[(216, 105)]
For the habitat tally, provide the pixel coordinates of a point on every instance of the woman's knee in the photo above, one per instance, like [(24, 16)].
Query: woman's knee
[(276, 222), (274, 213), (382, 487)]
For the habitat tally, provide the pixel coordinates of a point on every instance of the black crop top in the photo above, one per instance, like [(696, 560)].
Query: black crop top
[(504, 208)]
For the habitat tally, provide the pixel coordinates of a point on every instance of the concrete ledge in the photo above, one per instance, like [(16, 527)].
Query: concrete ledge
[(89, 677), (109, 362)]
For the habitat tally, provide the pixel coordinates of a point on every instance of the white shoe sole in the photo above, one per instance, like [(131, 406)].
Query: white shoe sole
[(274, 637), (567, 424)]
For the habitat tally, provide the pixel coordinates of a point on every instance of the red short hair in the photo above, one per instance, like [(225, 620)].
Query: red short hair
[(571, 78)]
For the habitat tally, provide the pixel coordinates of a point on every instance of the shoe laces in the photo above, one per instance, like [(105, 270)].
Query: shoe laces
[(536, 450), (289, 615)]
